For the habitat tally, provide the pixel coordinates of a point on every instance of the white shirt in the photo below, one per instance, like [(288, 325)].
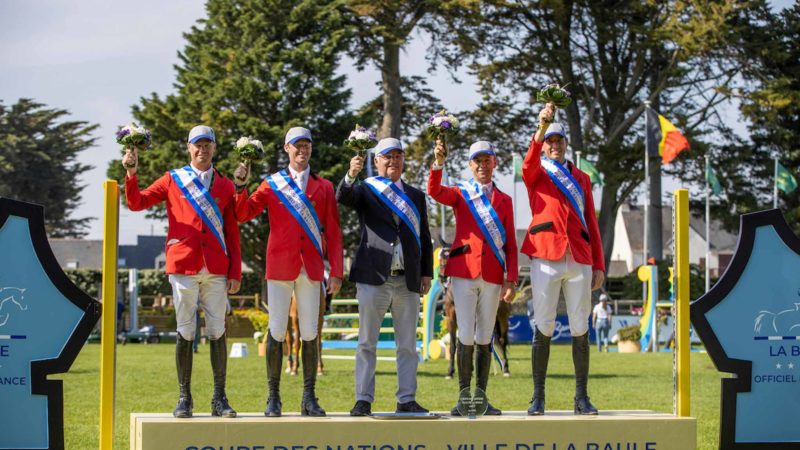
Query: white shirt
[(205, 177), (600, 312), (301, 178)]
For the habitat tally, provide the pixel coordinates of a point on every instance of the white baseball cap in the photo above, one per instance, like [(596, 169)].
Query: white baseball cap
[(481, 147), (386, 145), (555, 128), (603, 297), (202, 132), (296, 133)]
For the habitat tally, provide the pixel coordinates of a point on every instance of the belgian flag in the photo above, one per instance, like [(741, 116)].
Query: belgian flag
[(663, 138)]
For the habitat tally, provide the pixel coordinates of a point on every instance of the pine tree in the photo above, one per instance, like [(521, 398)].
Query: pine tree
[(254, 68), (38, 162)]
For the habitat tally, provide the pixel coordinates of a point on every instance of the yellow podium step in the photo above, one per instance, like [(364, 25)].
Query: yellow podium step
[(515, 430)]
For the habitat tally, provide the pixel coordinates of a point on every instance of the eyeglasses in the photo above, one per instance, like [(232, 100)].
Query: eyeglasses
[(396, 157)]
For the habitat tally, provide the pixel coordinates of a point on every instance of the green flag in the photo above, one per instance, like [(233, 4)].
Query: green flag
[(517, 168), (785, 180), (712, 180), (591, 170)]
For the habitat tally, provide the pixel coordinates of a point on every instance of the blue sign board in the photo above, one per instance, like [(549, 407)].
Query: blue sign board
[(44, 322), (750, 324)]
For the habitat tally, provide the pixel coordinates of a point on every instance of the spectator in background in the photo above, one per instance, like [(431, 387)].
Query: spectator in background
[(601, 321)]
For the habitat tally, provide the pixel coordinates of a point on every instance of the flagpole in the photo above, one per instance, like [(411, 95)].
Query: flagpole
[(646, 192), (708, 228), (775, 186), (646, 181)]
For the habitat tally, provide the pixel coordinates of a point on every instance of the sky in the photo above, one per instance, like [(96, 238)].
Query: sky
[(94, 60)]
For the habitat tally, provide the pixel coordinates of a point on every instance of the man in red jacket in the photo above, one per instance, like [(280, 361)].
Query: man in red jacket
[(304, 229), (483, 258), (204, 262), (567, 255)]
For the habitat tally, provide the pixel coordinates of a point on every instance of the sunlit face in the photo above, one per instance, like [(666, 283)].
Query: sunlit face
[(555, 148), (202, 152), (299, 152), (482, 167), (390, 165)]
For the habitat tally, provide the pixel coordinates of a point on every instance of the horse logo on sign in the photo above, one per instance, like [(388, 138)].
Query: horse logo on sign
[(12, 295)]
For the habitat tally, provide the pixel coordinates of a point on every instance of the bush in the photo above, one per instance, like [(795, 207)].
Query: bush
[(260, 321), (630, 333)]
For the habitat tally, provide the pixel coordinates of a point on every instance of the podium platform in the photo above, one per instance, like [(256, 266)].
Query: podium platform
[(514, 430)]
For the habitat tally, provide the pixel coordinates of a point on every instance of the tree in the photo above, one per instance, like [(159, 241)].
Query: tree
[(773, 108), (613, 56), (379, 31), (38, 162), (254, 68)]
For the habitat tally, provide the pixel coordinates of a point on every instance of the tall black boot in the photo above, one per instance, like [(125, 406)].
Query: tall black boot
[(183, 362), (464, 354), (540, 356), (274, 361), (483, 360), (219, 366), (580, 359), (309, 405)]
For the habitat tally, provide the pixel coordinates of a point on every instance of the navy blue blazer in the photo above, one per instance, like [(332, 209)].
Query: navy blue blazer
[(379, 232)]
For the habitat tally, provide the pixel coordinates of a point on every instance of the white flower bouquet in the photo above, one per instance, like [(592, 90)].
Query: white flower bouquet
[(443, 124), (132, 136), (249, 149), (360, 139)]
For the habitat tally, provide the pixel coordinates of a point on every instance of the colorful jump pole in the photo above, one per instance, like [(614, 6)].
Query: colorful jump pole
[(109, 316), (681, 286), (429, 308), (647, 324)]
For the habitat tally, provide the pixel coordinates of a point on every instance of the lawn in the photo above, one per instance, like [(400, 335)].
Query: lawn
[(146, 382)]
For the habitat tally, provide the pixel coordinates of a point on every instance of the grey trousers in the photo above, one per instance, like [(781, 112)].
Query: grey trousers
[(373, 303)]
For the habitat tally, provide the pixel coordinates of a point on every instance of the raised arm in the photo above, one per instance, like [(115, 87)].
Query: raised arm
[(155, 193), (446, 195), (347, 193), (532, 164), (249, 207)]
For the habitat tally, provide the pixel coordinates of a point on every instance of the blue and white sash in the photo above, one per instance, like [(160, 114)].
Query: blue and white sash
[(486, 218), (201, 200), (397, 200), (298, 204), (567, 184)]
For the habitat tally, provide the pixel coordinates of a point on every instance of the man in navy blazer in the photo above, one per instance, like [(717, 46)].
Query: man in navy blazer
[(392, 268)]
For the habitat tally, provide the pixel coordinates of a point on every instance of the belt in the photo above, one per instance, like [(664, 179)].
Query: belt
[(396, 273)]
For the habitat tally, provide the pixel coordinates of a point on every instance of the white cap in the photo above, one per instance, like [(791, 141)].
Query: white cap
[(386, 145), (296, 133), (481, 147), (603, 297), (201, 132), (555, 128)]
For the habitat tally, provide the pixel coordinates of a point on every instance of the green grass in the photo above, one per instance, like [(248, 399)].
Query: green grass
[(146, 382)]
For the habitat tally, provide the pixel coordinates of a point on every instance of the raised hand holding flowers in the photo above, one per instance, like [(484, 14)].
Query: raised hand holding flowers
[(132, 137), (555, 95), (360, 139), (249, 150), (441, 126)]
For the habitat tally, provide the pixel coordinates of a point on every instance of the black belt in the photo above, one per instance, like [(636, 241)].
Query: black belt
[(397, 273)]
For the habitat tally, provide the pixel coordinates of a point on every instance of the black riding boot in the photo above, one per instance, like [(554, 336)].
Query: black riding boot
[(183, 362), (219, 366), (464, 354), (309, 405), (540, 356), (483, 360), (580, 359), (274, 361)]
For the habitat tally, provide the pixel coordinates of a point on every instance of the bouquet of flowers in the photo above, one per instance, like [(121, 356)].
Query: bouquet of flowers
[(555, 94), (442, 124), (132, 136), (249, 149), (360, 139)]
